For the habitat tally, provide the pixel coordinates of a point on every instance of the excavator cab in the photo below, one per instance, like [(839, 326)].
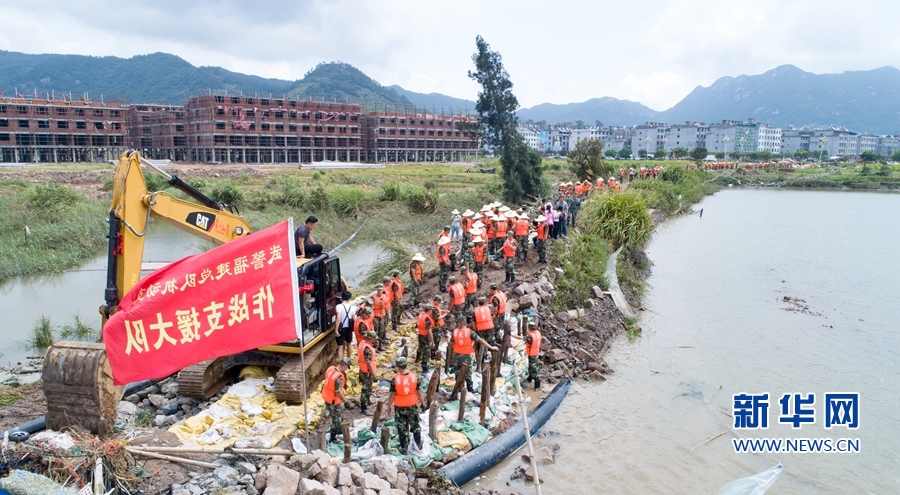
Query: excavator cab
[(77, 378)]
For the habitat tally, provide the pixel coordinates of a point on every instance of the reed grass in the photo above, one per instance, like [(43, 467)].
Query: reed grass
[(622, 219), (41, 334)]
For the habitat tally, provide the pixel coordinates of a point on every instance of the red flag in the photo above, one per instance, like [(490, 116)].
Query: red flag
[(235, 297)]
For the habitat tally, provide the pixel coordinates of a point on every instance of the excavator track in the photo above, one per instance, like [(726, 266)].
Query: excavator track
[(289, 380), (206, 378), (78, 386)]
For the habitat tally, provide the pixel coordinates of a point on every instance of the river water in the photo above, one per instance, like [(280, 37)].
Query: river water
[(60, 297), (716, 324)]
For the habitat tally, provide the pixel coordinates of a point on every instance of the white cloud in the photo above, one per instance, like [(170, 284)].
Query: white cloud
[(654, 52)]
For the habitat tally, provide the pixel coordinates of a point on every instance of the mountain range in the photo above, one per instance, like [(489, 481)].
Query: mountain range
[(865, 101)]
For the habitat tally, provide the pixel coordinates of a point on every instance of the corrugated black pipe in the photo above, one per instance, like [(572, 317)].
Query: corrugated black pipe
[(467, 467)]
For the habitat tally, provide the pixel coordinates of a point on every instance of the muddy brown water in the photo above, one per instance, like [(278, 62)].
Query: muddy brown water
[(717, 324)]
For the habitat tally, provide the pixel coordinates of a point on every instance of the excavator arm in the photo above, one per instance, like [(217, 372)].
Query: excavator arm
[(129, 217)]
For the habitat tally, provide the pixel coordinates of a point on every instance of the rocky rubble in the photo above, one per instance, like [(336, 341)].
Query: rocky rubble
[(315, 473)]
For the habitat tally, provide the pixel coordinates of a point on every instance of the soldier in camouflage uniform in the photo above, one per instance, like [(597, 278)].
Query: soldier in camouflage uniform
[(425, 326), (510, 247), (367, 361), (443, 258), (468, 257), (333, 394), (462, 341), (532, 348), (405, 397), (396, 288)]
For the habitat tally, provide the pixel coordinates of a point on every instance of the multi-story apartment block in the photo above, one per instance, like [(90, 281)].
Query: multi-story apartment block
[(49, 130), (689, 135), (558, 139), (158, 131), (650, 137), (402, 137), (532, 138)]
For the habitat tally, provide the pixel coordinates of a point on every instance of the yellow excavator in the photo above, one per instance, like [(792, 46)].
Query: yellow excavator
[(77, 379)]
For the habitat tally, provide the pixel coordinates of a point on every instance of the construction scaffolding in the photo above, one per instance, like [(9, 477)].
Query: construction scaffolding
[(39, 128), (417, 137), (239, 129)]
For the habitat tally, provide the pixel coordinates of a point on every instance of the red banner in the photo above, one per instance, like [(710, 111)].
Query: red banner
[(233, 298)]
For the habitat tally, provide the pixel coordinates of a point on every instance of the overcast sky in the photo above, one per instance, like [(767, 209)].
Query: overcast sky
[(654, 52)]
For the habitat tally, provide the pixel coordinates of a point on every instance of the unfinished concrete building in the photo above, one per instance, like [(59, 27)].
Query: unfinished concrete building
[(44, 129), (405, 137), (159, 132), (239, 129)]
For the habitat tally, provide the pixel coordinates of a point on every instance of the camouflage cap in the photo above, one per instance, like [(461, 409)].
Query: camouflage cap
[(394, 273), (385, 279), (401, 362), (482, 299), (471, 245), (371, 335), (452, 278), (532, 324), (493, 285), (438, 299), (345, 362)]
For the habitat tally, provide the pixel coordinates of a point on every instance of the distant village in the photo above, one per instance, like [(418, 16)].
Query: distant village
[(730, 138)]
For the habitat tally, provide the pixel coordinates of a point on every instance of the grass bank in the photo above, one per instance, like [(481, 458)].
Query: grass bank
[(851, 176), (47, 228), (408, 203)]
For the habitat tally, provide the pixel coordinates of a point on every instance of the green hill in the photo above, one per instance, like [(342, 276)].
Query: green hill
[(337, 81), (154, 78)]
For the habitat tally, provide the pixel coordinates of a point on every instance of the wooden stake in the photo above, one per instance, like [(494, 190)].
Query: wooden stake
[(172, 458), (323, 441), (376, 416), (460, 380), (432, 420), (462, 403), (385, 439), (493, 371), (345, 427), (485, 395), (433, 386), (450, 356)]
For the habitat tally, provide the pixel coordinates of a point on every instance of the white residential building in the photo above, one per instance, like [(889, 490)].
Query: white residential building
[(558, 139), (532, 138), (768, 138), (689, 135), (888, 145), (650, 137), (576, 135)]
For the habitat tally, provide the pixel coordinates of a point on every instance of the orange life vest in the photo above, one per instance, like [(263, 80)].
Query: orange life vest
[(396, 286), (521, 227), (405, 386), (500, 298), (379, 305), (462, 341), (500, 232), (471, 283), (389, 292), (542, 231), (443, 254), (331, 376), (359, 321), (363, 365), (424, 316), (483, 320), (489, 229), (616, 187), (509, 248), (437, 307), (587, 187), (532, 349), (466, 224), (415, 271), (579, 189), (457, 294), (478, 251)]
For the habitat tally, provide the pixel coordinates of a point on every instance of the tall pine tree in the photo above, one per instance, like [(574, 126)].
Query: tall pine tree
[(521, 166)]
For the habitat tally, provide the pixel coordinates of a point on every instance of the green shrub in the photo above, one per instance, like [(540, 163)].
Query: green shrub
[(227, 193), (622, 219), (418, 199), (41, 334), (317, 199), (430, 184), (583, 260), (345, 200), (390, 191), (51, 198), (107, 185), (78, 330)]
